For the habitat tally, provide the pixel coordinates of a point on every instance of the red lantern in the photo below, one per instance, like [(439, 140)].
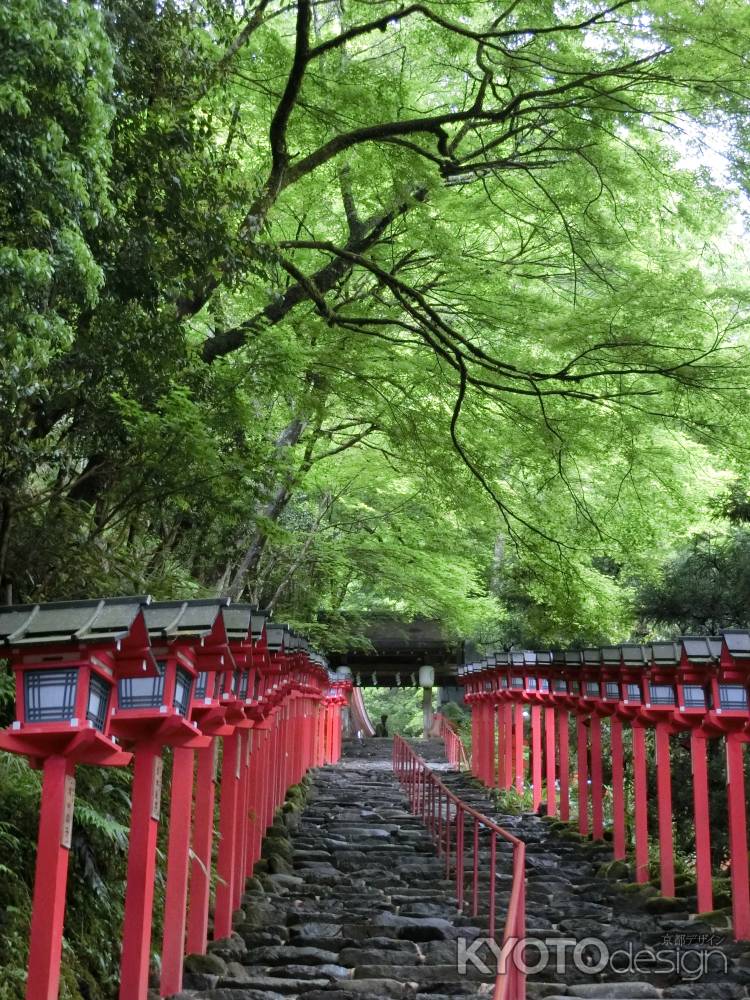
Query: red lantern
[(66, 657)]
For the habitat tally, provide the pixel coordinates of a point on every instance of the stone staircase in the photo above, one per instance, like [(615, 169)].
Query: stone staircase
[(351, 901)]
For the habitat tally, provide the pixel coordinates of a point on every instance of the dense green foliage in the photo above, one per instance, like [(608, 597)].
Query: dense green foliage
[(353, 307), (341, 308), (403, 706)]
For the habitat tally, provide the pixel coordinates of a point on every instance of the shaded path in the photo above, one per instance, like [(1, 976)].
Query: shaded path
[(352, 904)]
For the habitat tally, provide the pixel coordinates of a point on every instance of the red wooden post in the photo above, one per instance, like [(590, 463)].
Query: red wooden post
[(618, 789), (300, 740), (260, 778), (519, 747), (597, 781), (321, 733), (267, 777), (481, 745), (640, 795), (738, 838), (339, 733), (489, 778), (475, 709), (256, 785), (240, 852), (501, 738), (230, 768), (203, 836), (701, 817), (253, 781), (582, 750), (487, 740), (289, 737), (549, 732), (563, 739), (273, 767), (536, 756), (664, 807), (50, 880), (329, 736), (508, 745), (178, 851), (139, 887)]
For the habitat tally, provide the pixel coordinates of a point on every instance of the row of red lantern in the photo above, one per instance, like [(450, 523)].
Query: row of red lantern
[(99, 682), (698, 685), (697, 681)]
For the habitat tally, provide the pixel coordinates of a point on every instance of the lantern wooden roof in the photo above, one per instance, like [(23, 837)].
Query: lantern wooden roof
[(237, 621), (276, 637), (665, 653), (701, 649), (633, 654), (257, 624), (737, 642), (109, 619), (190, 619)]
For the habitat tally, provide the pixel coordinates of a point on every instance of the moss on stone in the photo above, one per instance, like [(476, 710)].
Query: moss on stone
[(717, 918), (210, 964)]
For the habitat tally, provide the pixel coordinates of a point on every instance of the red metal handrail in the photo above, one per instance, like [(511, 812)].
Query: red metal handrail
[(445, 815), (455, 749)]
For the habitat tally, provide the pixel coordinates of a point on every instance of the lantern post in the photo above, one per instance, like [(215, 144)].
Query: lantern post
[(573, 660), (659, 707), (502, 661), (233, 766), (498, 709), (488, 688), (470, 682), (152, 713), (612, 697), (568, 689), (729, 716), (593, 701), (255, 711), (559, 698), (488, 716), (545, 697), (65, 657), (476, 700), (246, 632), (516, 689), (698, 664), (527, 662), (632, 685), (196, 632)]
